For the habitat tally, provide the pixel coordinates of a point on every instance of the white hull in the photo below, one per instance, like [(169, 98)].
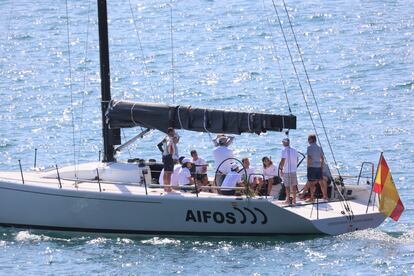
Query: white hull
[(127, 209)]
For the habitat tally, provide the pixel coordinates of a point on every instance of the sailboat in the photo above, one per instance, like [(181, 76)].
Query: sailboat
[(120, 197)]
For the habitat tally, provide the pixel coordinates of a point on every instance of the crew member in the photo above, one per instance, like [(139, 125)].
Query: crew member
[(288, 166), (222, 153)]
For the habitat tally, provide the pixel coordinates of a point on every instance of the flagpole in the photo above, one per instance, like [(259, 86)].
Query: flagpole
[(372, 186)]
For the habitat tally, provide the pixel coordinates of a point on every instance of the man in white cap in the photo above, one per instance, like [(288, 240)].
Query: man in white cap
[(184, 175), (221, 153), (232, 180), (287, 166)]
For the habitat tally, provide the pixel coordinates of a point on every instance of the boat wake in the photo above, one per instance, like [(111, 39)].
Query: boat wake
[(389, 237)]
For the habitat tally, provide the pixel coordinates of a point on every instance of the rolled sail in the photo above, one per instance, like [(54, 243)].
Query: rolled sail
[(126, 114)]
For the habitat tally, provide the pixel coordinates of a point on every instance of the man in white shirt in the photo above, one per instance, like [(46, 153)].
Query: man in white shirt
[(161, 178), (184, 175), (200, 168), (231, 180), (288, 166), (176, 171), (221, 153)]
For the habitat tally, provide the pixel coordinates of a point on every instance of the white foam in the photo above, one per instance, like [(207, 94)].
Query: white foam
[(23, 236), (97, 241), (161, 241)]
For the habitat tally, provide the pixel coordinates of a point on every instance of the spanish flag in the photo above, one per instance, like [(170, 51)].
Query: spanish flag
[(389, 200)]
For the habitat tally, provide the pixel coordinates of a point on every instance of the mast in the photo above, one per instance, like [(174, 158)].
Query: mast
[(107, 134)]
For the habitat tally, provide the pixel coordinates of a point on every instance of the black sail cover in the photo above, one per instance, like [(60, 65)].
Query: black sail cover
[(126, 114)]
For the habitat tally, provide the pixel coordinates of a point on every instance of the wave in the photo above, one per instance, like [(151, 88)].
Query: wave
[(161, 241), (409, 85), (26, 236), (4, 143), (393, 237), (30, 236), (99, 240)]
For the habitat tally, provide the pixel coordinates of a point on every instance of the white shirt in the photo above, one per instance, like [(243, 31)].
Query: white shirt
[(220, 154), (251, 173), (183, 176), (174, 175), (161, 179), (291, 159), (270, 172), (169, 147), (175, 155), (200, 169), (231, 180)]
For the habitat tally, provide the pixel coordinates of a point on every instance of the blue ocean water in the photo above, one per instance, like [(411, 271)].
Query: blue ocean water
[(360, 60)]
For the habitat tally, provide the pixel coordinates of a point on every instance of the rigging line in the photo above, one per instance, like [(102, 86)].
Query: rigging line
[(294, 68), (248, 122), (84, 82), (344, 204), (205, 124), (172, 50), (129, 151), (275, 56), (9, 19), (70, 86), (179, 117), (140, 45), (310, 87)]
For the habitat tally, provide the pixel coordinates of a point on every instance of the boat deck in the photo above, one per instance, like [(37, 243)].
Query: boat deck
[(316, 210)]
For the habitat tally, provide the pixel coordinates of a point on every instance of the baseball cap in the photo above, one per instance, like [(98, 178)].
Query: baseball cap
[(187, 160)]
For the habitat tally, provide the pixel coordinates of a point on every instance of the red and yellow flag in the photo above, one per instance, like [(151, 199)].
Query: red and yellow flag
[(390, 202)]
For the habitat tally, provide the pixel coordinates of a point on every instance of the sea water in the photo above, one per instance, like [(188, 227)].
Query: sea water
[(359, 57)]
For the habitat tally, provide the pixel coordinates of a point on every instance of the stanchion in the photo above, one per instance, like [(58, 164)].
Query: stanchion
[(144, 172), (21, 171), (99, 180), (58, 176), (195, 183), (35, 159), (317, 208)]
